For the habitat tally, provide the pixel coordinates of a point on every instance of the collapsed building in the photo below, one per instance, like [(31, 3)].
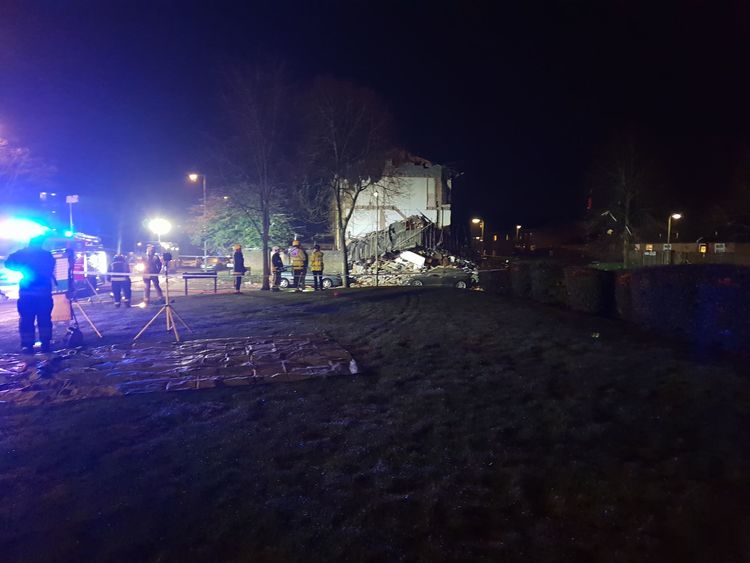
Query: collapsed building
[(403, 250), (400, 227)]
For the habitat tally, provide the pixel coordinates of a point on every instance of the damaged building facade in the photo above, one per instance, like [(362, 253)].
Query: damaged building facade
[(399, 228)]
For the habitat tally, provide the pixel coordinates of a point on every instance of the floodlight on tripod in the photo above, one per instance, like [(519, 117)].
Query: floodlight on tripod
[(169, 313)]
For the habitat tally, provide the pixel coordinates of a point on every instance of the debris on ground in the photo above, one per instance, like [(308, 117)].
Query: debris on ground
[(400, 268)]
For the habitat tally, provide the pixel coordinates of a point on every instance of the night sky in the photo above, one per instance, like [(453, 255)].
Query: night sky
[(122, 96)]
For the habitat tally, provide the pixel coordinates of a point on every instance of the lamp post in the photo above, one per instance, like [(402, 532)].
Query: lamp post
[(480, 222), (518, 231), (193, 177), (377, 229), (70, 200), (675, 216)]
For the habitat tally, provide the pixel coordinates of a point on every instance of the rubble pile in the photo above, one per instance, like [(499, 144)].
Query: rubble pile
[(399, 268)]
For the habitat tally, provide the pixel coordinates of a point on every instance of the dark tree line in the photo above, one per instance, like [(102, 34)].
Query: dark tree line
[(634, 186)]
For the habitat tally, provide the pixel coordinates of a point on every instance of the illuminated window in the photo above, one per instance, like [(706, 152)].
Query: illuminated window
[(649, 248)]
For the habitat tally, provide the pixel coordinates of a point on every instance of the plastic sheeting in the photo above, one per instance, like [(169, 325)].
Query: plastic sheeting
[(152, 367)]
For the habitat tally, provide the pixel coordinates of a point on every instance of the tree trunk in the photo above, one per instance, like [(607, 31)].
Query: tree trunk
[(626, 236), (342, 244), (266, 255)]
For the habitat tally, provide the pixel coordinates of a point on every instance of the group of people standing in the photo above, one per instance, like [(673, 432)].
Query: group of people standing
[(37, 266), (120, 278), (300, 264)]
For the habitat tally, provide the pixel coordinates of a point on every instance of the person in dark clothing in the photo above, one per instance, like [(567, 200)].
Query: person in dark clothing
[(151, 275), (239, 267), (34, 293), (277, 266), (120, 284)]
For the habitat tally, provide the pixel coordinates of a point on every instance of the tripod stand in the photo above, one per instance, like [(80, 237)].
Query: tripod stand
[(169, 313), (73, 300), (74, 303)]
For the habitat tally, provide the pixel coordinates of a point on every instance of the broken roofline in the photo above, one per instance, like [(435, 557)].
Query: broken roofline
[(402, 163)]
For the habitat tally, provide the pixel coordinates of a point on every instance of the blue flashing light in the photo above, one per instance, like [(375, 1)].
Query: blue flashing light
[(21, 230), (68, 234), (10, 276)]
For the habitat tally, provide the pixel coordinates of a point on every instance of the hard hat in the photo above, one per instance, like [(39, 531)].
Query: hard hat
[(295, 243)]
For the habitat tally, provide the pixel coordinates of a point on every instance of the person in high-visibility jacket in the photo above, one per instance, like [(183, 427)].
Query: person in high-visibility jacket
[(316, 265), (299, 264)]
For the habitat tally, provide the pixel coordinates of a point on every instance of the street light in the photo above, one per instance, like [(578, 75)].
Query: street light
[(193, 177), (518, 231), (674, 216), (480, 222), (159, 227)]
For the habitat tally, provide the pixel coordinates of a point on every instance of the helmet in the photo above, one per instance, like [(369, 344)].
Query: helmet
[(295, 243)]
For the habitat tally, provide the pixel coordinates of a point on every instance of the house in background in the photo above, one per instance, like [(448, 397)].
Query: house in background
[(411, 186)]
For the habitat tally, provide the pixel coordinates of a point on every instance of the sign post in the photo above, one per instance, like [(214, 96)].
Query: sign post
[(70, 200)]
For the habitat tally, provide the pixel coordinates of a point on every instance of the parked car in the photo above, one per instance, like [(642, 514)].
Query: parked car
[(446, 277), (329, 280)]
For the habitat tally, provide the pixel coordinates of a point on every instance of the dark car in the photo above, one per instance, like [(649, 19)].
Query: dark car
[(329, 280), (446, 277)]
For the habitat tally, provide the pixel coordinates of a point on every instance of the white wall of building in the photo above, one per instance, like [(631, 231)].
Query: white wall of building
[(396, 201)]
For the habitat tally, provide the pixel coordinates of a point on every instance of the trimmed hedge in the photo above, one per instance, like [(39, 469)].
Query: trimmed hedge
[(589, 290), (520, 279), (623, 299), (547, 282), (495, 281), (705, 303), (708, 304)]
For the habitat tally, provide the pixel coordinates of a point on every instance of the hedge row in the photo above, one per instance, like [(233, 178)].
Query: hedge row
[(706, 303)]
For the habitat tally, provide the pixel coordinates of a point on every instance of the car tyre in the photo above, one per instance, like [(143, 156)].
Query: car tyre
[(284, 283), (461, 284), (327, 283), (417, 283)]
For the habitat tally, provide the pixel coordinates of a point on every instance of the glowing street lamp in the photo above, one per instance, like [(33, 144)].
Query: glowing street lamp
[(518, 231), (193, 177), (676, 217), (159, 227), (479, 222)]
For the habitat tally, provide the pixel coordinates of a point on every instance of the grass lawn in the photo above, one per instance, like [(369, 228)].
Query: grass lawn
[(481, 429)]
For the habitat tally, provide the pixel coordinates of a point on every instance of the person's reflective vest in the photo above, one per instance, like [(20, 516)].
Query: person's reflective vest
[(316, 261), (298, 257)]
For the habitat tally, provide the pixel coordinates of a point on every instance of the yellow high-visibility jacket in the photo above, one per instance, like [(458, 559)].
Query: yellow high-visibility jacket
[(316, 261), (299, 257)]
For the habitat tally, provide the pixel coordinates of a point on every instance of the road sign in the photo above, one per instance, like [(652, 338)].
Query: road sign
[(71, 199), (667, 247)]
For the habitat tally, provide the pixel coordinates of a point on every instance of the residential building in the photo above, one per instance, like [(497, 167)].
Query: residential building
[(411, 186)]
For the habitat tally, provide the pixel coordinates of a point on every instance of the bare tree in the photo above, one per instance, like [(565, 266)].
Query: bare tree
[(19, 167), (347, 146), (620, 183), (254, 159)]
